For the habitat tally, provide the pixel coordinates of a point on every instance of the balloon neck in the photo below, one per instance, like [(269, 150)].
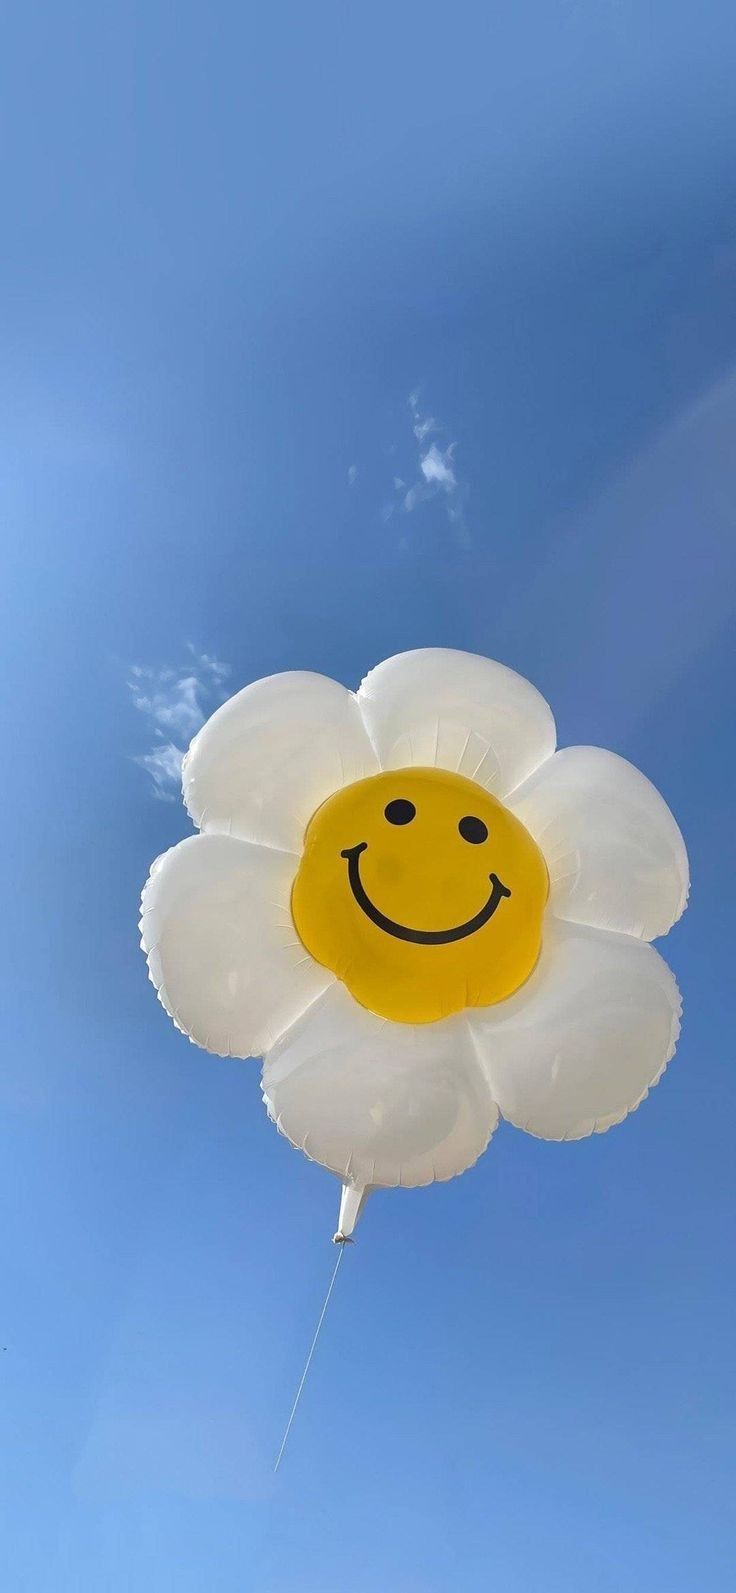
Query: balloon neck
[(352, 1203)]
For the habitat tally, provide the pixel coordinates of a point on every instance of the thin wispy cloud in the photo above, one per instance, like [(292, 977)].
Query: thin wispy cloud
[(436, 473), (436, 465), (424, 425), (163, 764), (176, 702), (352, 475)]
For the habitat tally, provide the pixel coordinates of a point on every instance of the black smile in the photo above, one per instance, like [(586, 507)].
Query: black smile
[(420, 937)]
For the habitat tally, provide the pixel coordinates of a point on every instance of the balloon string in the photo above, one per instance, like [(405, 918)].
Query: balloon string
[(309, 1357)]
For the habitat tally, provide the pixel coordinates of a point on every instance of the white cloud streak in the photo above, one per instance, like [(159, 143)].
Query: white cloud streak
[(436, 465), (176, 703), (422, 425), (163, 764), (437, 473)]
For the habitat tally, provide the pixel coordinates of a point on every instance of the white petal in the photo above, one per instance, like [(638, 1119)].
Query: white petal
[(267, 758), (615, 855), (222, 949), (585, 1038), (437, 708), (378, 1102)]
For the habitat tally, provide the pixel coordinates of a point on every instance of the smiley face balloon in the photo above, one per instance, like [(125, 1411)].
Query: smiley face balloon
[(420, 915), (422, 893)]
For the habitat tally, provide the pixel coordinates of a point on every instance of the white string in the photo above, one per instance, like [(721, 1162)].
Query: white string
[(309, 1358)]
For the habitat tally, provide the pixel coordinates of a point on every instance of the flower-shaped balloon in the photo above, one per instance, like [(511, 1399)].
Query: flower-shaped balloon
[(420, 915)]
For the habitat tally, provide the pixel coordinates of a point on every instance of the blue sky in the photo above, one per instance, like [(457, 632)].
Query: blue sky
[(247, 254)]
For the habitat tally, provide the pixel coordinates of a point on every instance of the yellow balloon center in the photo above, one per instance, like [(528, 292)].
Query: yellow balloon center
[(422, 893)]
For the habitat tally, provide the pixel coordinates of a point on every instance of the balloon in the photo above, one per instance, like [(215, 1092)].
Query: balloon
[(420, 915)]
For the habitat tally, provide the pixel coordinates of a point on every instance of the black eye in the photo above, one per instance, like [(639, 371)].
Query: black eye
[(473, 830), (400, 811)]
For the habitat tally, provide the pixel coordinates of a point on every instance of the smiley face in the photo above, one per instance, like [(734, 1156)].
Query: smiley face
[(422, 893)]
